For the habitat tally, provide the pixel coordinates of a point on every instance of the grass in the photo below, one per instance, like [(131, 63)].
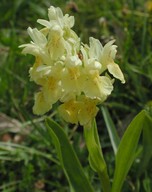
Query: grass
[(26, 165)]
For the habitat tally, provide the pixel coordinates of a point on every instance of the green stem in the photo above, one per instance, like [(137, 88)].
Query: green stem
[(104, 179), (96, 159)]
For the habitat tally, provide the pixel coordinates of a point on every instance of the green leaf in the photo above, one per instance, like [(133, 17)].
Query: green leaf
[(68, 159), (126, 150), (147, 145), (114, 138)]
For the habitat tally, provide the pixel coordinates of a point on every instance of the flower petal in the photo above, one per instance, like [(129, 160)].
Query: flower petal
[(116, 72), (87, 110), (98, 87), (96, 47), (41, 106), (69, 111)]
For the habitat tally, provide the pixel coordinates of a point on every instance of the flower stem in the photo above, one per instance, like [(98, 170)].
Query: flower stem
[(96, 159)]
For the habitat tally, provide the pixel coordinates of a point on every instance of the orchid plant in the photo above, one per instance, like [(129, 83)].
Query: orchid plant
[(79, 77)]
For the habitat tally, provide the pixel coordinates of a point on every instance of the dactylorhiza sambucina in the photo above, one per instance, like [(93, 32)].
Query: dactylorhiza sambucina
[(69, 71)]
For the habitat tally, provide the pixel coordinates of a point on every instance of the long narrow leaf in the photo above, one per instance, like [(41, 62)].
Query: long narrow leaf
[(114, 138), (68, 158), (147, 145), (126, 151)]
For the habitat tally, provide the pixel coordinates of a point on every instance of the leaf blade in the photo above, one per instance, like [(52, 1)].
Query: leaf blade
[(126, 150), (147, 143), (68, 159), (114, 138)]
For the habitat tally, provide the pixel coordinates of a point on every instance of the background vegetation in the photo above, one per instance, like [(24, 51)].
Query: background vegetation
[(27, 162)]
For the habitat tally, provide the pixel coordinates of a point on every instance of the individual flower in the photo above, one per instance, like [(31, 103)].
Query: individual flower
[(69, 111), (56, 43), (71, 77), (52, 87), (38, 72), (41, 105), (37, 46), (95, 85), (106, 55), (56, 17), (81, 110), (88, 109)]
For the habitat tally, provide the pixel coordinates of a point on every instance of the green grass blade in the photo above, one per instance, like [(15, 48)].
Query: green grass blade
[(126, 151), (69, 161), (17, 152), (114, 138)]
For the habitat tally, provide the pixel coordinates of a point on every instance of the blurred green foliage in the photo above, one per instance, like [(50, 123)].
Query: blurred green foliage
[(130, 23)]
